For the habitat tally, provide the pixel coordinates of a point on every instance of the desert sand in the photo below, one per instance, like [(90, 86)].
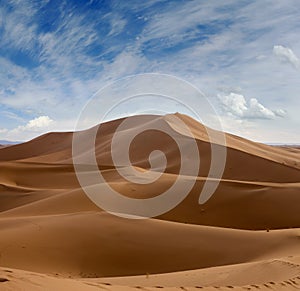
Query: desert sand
[(53, 237)]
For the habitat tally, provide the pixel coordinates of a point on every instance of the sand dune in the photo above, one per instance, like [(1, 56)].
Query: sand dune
[(245, 237)]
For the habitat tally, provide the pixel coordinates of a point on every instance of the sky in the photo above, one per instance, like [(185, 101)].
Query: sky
[(243, 55)]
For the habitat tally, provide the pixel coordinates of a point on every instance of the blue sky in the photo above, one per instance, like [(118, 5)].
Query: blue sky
[(244, 55)]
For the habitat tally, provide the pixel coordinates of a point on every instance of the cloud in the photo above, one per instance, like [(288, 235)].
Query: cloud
[(32, 128), (280, 112), (38, 123), (177, 24), (237, 106), (285, 54), (234, 103), (257, 110), (11, 115)]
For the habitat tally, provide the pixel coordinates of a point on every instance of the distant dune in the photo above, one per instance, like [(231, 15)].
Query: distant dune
[(246, 237)]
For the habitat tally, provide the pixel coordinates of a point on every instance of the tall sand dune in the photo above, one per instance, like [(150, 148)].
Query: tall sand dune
[(245, 237)]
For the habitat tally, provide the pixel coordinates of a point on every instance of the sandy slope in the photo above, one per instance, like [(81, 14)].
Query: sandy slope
[(48, 225), (92, 244), (277, 274)]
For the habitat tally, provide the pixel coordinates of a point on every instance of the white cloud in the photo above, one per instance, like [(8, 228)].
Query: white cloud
[(285, 54), (30, 130), (280, 112), (257, 110), (234, 103), (38, 123), (237, 106)]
